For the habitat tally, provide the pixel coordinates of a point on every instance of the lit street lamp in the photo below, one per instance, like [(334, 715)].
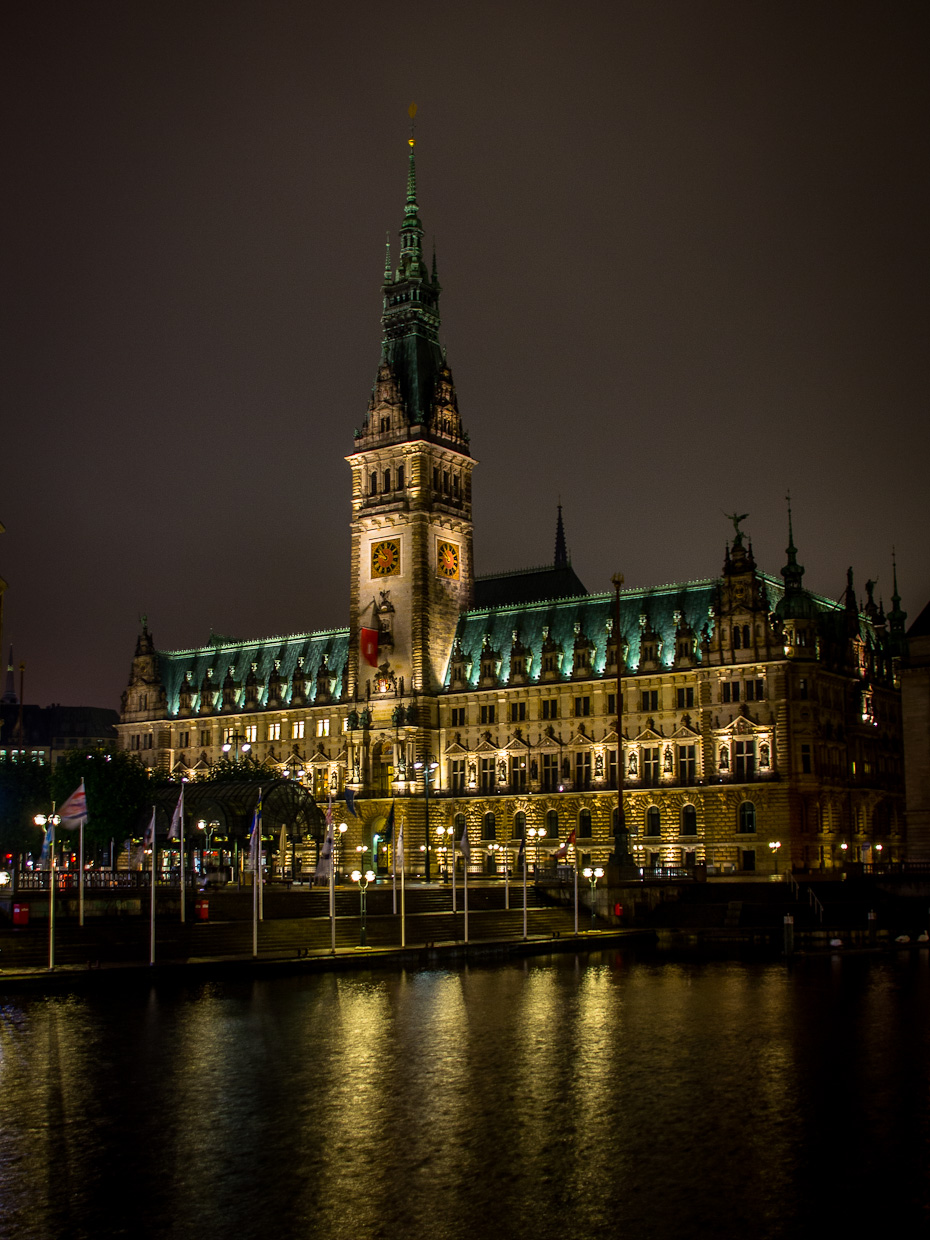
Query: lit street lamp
[(49, 822), (234, 739), (592, 876), (536, 834), (442, 831), (363, 880), (493, 850), (426, 768), (774, 845)]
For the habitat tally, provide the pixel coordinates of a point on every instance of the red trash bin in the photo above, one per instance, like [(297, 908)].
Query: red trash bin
[(20, 914), (202, 909)]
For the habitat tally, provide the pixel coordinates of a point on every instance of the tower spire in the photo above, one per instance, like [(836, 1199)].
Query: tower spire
[(561, 551)]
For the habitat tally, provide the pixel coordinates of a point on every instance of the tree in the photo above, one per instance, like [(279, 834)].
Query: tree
[(24, 792), (118, 791)]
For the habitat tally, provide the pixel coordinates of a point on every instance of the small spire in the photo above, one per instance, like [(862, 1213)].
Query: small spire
[(9, 693), (561, 551), (793, 571), (387, 260), (896, 616)]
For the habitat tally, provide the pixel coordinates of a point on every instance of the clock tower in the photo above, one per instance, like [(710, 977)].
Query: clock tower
[(411, 501)]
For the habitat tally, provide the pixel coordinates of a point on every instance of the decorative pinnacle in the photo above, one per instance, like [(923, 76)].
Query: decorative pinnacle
[(411, 112)]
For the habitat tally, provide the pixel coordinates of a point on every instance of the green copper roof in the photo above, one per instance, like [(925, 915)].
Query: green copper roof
[(176, 666)]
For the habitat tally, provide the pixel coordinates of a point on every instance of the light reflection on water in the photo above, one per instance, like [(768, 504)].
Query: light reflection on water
[(556, 1097)]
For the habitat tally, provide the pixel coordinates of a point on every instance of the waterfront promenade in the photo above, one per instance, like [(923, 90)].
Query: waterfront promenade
[(296, 931)]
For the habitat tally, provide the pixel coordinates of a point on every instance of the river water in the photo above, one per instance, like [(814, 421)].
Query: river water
[(561, 1096)]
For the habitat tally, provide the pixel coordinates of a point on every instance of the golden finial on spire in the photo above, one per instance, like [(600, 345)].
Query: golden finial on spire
[(411, 112)]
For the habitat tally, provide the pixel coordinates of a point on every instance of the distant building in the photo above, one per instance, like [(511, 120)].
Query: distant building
[(750, 711), (47, 733), (915, 700)]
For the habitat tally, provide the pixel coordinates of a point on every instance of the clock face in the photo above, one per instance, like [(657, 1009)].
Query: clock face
[(447, 560), (385, 558)]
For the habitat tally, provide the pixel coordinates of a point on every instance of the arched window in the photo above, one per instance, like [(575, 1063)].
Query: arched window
[(653, 820), (736, 637), (459, 824), (489, 827), (747, 818), (519, 825), (373, 483), (688, 820), (584, 824), (552, 824), (747, 640), (387, 481), (400, 477)]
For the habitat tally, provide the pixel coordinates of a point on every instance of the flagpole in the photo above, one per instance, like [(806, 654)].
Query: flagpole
[(524, 887), (256, 851), (181, 841), (51, 900), (465, 885), (403, 909), (152, 901), (507, 878), (454, 909), (575, 869), (261, 877), (81, 868)]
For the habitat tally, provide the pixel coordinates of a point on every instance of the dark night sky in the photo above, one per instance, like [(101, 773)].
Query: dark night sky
[(685, 262)]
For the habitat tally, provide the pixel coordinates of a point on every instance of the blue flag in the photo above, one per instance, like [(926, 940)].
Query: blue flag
[(389, 826), (350, 800)]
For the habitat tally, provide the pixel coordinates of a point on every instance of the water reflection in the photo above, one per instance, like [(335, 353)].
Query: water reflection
[(561, 1097)]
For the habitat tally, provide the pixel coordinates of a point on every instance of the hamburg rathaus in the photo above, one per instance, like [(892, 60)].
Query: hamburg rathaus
[(727, 711)]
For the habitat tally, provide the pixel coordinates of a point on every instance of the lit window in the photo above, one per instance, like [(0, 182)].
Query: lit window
[(322, 727), (274, 731), (297, 730), (251, 733)]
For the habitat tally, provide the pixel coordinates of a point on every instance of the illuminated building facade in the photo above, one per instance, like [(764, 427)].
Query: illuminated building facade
[(750, 711)]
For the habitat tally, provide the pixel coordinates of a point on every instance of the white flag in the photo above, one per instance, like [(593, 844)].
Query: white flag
[(325, 864), (149, 841), (399, 847)]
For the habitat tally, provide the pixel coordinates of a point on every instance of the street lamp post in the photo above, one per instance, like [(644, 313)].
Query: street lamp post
[(536, 834), (441, 831), (427, 769), (363, 880), (592, 876), (774, 845), (233, 742), (50, 822)]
